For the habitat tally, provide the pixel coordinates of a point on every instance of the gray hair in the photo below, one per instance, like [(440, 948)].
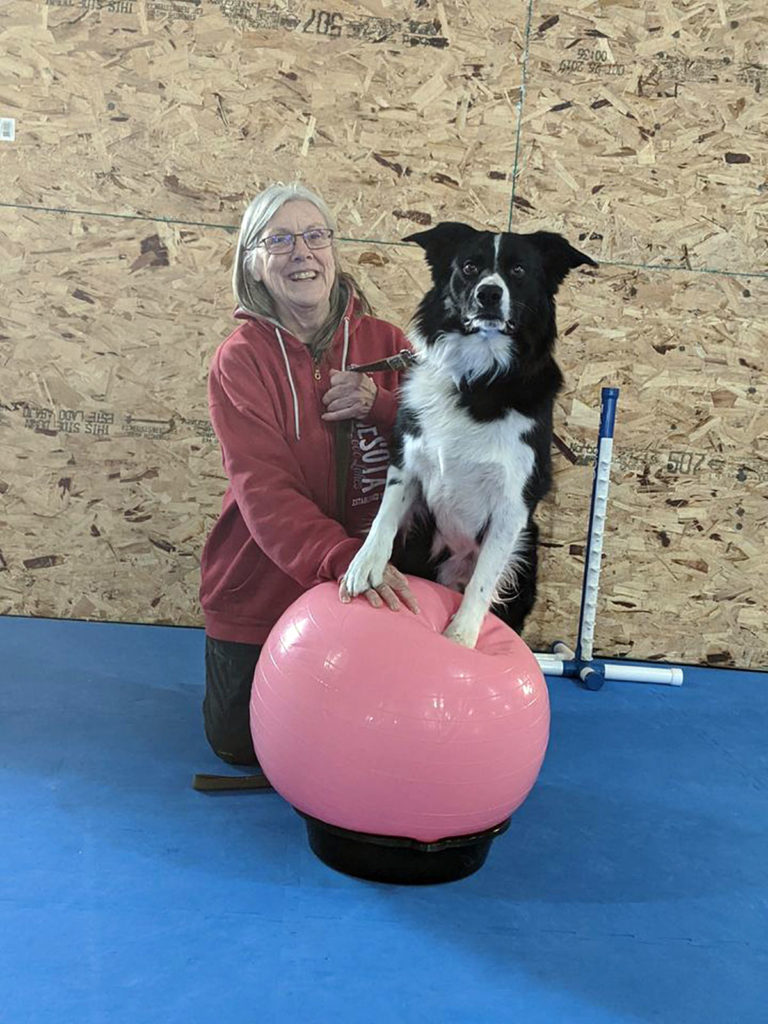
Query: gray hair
[(252, 295)]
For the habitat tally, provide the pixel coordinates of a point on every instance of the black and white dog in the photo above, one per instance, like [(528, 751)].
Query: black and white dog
[(471, 448)]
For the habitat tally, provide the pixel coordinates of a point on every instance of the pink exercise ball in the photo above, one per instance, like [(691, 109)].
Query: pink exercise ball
[(405, 753)]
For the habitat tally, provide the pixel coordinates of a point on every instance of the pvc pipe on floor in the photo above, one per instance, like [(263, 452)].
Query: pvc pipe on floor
[(553, 665)]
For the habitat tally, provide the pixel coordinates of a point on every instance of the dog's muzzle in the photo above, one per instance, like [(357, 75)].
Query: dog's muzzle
[(486, 312)]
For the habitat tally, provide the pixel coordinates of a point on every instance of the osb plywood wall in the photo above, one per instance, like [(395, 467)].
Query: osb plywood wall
[(142, 128)]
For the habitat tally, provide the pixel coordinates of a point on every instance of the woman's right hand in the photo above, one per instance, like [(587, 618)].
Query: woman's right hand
[(394, 591)]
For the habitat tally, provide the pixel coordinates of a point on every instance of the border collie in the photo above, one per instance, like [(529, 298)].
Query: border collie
[(471, 447)]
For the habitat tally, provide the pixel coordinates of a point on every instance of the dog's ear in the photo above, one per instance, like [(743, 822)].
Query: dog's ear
[(559, 256), (441, 242)]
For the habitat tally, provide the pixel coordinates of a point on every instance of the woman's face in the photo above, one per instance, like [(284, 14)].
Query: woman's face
[(300, 282)]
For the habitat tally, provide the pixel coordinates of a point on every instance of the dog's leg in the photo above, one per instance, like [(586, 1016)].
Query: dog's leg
[(494, 562), (366, 569), (514, 607)]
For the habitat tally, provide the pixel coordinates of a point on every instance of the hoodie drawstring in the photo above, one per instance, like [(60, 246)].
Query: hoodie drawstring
[(291, 384), (345, 350), (344, 354)]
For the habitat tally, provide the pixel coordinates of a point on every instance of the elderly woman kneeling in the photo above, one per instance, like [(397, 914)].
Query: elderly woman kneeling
[(303, 442)]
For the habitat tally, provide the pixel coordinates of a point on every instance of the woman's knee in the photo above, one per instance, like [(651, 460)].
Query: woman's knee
[(226, 715), (231, 743)]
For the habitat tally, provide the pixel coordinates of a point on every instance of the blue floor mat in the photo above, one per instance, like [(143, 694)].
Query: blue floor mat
[(631, 886)]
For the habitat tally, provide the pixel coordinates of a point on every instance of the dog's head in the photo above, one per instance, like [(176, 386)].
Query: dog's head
[(489, 286)]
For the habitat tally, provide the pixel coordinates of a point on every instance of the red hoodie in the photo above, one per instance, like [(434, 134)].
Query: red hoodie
[(277, 536)]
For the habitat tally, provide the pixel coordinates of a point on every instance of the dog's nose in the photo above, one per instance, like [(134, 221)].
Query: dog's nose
[(489, 295)]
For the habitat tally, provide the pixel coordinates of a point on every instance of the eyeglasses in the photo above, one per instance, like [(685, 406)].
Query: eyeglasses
[(315, 238)]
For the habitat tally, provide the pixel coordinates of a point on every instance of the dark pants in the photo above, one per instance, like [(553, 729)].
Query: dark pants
[(229, 670)]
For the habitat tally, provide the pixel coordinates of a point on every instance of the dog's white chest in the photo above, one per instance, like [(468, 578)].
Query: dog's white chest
[(466, 469)]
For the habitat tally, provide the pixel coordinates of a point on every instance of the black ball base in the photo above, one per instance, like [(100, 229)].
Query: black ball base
[(398, 860)]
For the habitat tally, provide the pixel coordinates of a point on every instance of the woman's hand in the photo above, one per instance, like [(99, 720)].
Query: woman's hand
[(393, 591), (349, 397)]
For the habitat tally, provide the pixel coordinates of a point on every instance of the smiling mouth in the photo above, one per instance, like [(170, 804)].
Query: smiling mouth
[(303, 275), (487, 323)]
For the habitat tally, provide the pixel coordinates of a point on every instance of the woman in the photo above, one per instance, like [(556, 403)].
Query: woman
[(278, 390)]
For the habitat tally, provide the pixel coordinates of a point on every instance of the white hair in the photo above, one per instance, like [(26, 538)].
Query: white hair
[(252, 295)]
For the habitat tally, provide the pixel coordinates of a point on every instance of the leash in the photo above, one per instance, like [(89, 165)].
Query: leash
[(204, 783), (400, 361)]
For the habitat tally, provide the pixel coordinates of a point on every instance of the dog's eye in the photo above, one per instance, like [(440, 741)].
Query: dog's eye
[(518, 271), (469, 269)]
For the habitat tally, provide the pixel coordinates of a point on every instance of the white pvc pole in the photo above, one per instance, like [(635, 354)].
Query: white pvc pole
[(595, 552), (596, 530)]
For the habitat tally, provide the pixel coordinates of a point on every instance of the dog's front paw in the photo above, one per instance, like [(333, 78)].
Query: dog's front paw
[(466, 636), (366, 570)]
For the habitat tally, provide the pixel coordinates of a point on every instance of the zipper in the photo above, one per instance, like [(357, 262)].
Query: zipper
[(330, 437)]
